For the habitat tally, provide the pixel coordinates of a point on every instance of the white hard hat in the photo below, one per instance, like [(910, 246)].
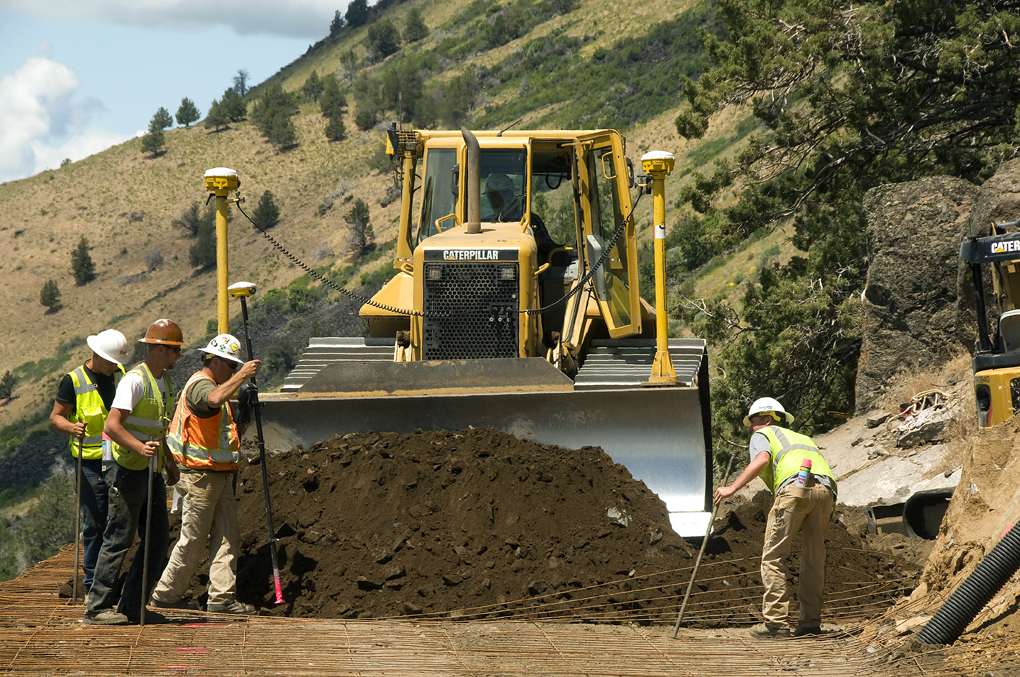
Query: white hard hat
[(225, 346), (110, 345), (769, 407)]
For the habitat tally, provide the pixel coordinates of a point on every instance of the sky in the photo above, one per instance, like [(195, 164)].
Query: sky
[(78, 76)]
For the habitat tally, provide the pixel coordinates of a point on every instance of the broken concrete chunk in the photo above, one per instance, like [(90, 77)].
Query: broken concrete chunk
[(877, 418), (618, 517)]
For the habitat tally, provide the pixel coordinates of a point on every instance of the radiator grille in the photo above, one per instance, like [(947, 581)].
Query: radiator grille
[(470, 310)]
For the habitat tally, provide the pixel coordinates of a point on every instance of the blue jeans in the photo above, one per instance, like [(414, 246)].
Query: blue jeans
[(127, 510), (94, 497)]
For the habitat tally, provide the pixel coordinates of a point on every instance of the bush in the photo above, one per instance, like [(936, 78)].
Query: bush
[(359, 234), (267, 214), (365, 120), (7, 383), (383, 38), (202, 254), (153, 260)]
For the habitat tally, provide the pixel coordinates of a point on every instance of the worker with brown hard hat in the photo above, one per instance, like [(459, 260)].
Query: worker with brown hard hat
[(205, 442), (796, 473), (83, 402), (137, 425)]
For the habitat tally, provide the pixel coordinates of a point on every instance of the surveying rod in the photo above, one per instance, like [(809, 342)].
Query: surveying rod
[(220, 181), (243, 290), (658, 164)]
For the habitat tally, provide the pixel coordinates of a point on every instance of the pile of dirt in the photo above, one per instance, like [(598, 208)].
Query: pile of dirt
[(479, 524)]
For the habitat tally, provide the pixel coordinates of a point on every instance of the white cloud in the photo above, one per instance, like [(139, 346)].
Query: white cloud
[(37, 115), (292, 18)]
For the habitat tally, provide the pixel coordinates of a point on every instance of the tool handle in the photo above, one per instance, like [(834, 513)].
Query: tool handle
[(701, 552), (262, 461)]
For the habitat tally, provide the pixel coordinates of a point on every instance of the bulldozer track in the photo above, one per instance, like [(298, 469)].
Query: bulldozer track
[(42, 634)]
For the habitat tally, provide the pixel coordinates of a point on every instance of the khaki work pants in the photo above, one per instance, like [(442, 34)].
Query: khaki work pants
[(209, 512), (788, 515)]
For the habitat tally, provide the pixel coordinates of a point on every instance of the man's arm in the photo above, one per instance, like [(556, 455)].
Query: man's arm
[(116, 431), (752, 470), (60, 424), (221, 393)]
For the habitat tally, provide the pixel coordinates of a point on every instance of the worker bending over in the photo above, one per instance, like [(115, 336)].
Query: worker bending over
[(777, 455), (83, 402), (205, 442)]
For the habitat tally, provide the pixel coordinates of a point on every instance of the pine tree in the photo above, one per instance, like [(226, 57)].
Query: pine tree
[(282, 133), (331, 99), (336, 24), (359, 235), (154, 140), (313, 86), (335, 129), (163, 118), (233, 105), (82, 267), (241, 82), (202, 254), (187, 113), (50, 295), (217, 116), (267, 214), (357, 13), (415, 29)]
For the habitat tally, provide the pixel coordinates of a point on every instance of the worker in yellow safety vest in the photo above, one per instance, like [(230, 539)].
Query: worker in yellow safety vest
[(205, 442), (803, 501), (83, 402), (137, 425)]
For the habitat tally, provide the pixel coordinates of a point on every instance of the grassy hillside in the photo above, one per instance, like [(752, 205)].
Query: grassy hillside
[(602, 63)]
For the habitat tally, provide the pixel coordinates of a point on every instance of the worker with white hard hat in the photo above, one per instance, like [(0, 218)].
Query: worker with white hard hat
[(778, 455), (205, 441), (83, 402)]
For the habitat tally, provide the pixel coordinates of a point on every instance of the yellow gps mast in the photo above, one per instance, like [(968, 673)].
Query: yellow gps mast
[(219, 182), (658, 164)]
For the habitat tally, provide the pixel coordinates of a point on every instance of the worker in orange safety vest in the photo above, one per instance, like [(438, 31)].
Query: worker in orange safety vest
[(205, 442)]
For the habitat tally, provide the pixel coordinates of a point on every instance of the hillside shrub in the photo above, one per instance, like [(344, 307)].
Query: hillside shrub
[(49, 296)]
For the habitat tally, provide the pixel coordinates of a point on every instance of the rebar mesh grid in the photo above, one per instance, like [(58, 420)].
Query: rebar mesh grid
[(41, 634)]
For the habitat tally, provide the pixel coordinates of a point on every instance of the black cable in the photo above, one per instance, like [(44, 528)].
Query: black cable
[(300, 264)]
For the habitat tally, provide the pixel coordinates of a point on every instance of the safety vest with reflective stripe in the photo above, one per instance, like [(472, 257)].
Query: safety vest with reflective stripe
[(203, 443), (89, 407), (147, 421), (788, 450)]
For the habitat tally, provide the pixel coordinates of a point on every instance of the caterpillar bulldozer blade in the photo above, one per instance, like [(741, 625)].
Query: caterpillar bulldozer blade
[(658, 434)]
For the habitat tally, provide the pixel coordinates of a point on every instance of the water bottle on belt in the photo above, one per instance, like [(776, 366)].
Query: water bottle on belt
[(803, 480)]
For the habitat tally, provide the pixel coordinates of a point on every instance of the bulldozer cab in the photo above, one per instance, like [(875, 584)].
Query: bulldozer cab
[(569, 194)]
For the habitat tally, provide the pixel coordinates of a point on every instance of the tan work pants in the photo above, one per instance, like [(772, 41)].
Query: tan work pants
[(787, 516), (209, 512)]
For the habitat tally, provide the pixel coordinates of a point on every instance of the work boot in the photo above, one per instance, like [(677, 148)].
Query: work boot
[(151, 618), (231, 607), (179, 604), (764, 631), (806, 632), (104, 617)]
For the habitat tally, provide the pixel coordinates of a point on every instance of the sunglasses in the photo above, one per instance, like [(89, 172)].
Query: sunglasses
[(174, 349)]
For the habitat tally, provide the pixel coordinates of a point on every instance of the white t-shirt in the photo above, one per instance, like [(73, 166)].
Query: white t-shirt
[(131, 389)]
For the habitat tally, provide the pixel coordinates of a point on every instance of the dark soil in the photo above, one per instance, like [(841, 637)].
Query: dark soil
[(479, 524)]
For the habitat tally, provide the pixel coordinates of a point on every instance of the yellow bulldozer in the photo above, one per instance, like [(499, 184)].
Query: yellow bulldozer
[(996, 355), (515, 305)]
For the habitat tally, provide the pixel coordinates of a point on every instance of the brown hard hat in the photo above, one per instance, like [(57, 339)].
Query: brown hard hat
[(164, 332)]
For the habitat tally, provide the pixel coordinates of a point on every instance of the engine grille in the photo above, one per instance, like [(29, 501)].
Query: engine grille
[(470, 310)]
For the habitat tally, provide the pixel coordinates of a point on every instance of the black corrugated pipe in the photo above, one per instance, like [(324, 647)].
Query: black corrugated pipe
[(946, 626)]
